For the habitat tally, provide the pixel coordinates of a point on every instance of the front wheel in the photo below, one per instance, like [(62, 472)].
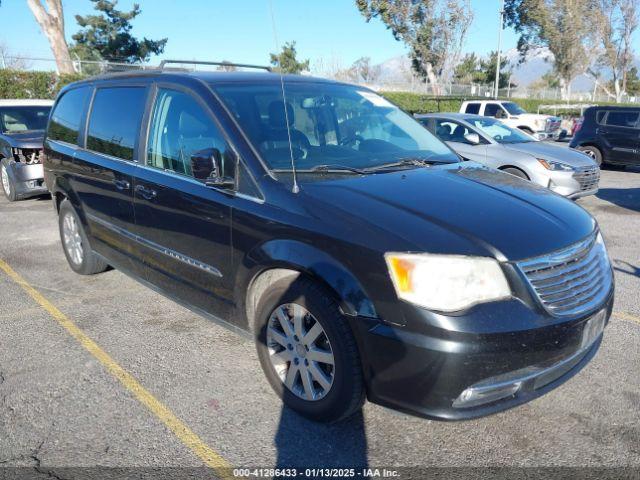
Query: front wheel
[(75, 243), (308, 352), (8, 186), (592, 152)]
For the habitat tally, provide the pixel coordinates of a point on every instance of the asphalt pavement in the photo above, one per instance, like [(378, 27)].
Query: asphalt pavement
[(195, 394)]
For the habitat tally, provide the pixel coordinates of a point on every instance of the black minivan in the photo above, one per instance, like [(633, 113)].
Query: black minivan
[(610, 135), (362, 254)]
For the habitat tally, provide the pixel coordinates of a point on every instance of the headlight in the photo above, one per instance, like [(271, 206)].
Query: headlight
[(446, 282), (555, 166)]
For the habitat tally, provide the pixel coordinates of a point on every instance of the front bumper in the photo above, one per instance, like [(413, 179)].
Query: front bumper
[(28, 180), (567, 184), (425, 372)]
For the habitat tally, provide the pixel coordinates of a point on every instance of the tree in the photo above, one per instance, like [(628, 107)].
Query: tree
[(434, 31), (51, 21), (286, 61), (468, 70), (633, 82), (563, 26), (364, 71), (109, 35), (617, 21), (488, 67)]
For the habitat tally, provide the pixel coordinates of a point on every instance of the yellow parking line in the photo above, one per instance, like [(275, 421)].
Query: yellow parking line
[(210, 457), (627, 316)]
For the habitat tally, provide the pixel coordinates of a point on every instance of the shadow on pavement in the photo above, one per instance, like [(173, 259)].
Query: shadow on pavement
[(628, 198), (627, 268)]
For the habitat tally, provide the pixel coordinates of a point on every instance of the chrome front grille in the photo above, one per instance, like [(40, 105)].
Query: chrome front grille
[(588, 177), (571, 281)]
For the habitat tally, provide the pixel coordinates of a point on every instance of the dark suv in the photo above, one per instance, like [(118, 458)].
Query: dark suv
[(363, 256), (610, 135)]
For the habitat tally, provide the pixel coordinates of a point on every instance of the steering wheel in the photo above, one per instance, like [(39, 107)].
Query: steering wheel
[(350, 139)]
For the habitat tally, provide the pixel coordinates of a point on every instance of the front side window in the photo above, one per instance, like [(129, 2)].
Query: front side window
[(500, 132), (24, 119), (184, 139), (623, 118), (491, 109), (328, 124), (115, 121), (65, 120), (450, 131)]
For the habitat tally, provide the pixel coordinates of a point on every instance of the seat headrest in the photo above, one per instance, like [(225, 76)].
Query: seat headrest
[(277, 118)]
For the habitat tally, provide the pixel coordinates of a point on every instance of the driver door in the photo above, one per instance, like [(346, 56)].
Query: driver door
[(184, 226)]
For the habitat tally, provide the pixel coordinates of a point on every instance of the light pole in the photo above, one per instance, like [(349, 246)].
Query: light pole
[(495, 92)]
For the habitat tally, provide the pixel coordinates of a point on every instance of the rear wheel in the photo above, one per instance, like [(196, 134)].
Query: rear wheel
[(75, 243), (593, 152), (7, 184), (308, 352), (516, 172)]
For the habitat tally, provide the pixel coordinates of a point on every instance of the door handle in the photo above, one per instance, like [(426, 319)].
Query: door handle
[(146, 193), (122, 184)]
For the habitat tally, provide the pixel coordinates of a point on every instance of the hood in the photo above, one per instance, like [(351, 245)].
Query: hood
[(464, 209), (549, 151), (536, 116), (29, 139)]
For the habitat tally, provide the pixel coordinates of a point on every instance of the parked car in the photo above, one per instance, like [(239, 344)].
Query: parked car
[(512, 114), (380, 265), (22, 124), (494, 144), (610, 135)]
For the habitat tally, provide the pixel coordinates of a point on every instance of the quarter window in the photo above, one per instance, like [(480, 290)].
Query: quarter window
[(184, 139), (65, 119), (622, 118), (115, 121)]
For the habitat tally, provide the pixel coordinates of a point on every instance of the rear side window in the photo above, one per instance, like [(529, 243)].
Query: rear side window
[(115, 119), (64, 124), (473, 108), (623, 118), (600, 115)]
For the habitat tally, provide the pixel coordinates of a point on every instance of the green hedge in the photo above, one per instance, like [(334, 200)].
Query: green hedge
[(417, 103), (28, 84)]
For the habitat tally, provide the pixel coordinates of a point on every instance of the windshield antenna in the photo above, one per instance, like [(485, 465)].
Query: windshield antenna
[(295, 188)]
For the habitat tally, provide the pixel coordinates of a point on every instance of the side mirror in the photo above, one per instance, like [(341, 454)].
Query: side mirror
[(472, 138), (208, 166)]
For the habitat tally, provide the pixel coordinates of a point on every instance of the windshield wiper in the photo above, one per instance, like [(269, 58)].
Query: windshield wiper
[(403, 162), (327, 168)]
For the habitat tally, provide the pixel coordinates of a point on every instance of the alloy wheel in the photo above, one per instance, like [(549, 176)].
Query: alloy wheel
[(72, 239), (5, 181), (300, 352)]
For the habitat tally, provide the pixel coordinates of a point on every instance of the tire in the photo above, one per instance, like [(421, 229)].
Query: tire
[(75, 244), (515, 172), (307, 300), (593, 152), (8, 187)]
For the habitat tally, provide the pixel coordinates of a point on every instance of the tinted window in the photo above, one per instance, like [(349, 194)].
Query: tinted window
[(450, 131), (65, 119), (491, 109), (600, 115), (183, 137), (473, 108), (115, 120), (624, 118), (23, 119)]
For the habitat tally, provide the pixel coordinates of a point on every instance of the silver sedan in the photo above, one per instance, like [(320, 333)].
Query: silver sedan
[(492, 143)]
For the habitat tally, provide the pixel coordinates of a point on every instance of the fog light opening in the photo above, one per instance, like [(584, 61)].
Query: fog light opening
[(474, 396)]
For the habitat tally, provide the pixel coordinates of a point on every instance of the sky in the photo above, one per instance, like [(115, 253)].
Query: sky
[(241, 31)]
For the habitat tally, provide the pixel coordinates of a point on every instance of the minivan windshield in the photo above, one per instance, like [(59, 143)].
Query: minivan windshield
[(23, 119), (331, 126), (500, 132), (513, 108)]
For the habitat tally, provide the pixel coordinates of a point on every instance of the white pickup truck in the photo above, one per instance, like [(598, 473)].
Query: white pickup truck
[(541, 126)]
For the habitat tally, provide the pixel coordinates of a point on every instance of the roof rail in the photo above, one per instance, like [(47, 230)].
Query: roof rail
[(221, 64)]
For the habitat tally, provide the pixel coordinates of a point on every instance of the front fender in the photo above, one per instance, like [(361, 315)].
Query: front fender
[(296, 255)]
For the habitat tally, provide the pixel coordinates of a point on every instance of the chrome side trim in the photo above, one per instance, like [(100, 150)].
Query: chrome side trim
[(155, 246)]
